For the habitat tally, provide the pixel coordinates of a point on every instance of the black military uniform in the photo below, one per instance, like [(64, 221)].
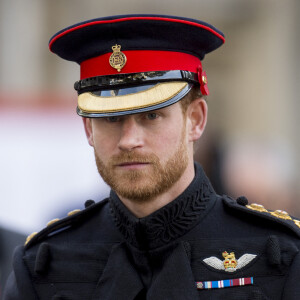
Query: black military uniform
[(104, 252), (200, 245)]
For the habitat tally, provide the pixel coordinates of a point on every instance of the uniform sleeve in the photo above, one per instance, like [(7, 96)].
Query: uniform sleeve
[(292, 287), (19, 284)]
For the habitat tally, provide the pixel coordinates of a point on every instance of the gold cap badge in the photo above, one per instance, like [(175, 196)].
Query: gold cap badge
[(118, 59)]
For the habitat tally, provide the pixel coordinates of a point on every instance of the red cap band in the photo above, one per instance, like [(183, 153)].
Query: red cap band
[(140, 61)]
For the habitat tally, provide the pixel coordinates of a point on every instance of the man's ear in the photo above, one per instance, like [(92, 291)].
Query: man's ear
[(196, 118), (87, 122)]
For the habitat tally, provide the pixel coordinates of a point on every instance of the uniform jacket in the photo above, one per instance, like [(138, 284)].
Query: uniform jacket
[(199, 246)]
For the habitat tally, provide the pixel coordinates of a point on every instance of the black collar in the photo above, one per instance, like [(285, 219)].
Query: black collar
[(169, 222)]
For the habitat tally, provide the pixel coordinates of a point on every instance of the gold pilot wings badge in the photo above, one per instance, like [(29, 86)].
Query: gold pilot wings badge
[(230, 263)]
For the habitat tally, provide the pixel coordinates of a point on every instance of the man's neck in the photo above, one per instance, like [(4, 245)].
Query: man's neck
[(145, 208)]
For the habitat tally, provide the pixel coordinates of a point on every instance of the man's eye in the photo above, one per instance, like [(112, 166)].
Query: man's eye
[(152, 116), (112, 119)]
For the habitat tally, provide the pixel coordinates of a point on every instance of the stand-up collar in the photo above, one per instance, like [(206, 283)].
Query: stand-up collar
[(169, 222)]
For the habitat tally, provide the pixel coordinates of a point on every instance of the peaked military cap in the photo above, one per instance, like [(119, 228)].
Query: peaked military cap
[(136, 63)]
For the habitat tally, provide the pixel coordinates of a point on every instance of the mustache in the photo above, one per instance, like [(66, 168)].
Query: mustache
[(129, 157)]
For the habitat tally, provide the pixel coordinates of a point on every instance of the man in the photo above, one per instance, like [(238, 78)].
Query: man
[(163, 233)]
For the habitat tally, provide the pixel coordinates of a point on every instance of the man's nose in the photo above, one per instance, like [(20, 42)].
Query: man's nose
[(131, 136)]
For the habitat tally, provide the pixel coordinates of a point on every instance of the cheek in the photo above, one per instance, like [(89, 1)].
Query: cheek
[(104, 145), (167, 143)]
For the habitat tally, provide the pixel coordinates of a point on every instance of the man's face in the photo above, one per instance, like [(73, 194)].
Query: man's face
[(141, 155)]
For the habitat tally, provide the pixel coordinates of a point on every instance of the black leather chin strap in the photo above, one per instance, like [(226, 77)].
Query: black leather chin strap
[(111, 82)]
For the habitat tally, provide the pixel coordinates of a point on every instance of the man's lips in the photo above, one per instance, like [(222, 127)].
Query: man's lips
[(132, 164)]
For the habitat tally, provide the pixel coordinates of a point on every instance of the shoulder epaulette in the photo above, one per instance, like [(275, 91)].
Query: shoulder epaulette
[(58, 225), (278, 216)]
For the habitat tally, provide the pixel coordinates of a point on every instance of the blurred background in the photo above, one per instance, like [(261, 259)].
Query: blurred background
[(252, 142)]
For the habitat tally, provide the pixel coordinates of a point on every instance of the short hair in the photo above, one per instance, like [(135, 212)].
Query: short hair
[(193, 94)]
